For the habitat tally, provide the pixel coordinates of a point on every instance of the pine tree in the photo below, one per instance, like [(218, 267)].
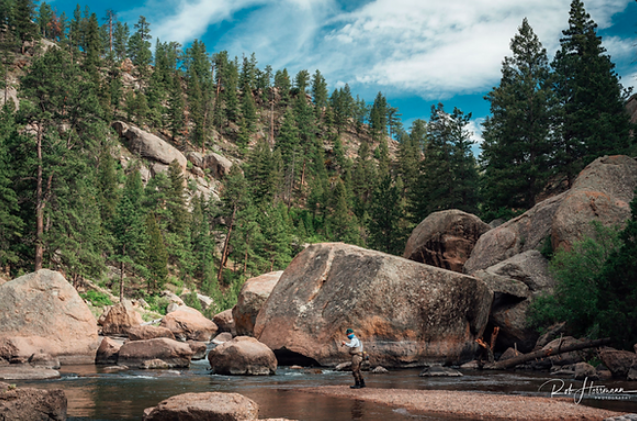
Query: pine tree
[(342, 225), (387, 218), (44, 19), (10, 222), (108, 186), (175, 106), (129, 227), (249, 109), (448, 177), (120, 40), (23, 15), (92, 61), (282, 83), (156, 255), (594, 121), (319, 93), (517, 144), (139, 46)]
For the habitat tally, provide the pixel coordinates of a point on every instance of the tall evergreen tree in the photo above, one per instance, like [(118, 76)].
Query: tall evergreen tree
[(594, 121), (23, 16), (448, 176), (139, 46), (120, 40), (156, 255), (518, 135), (129, 228)]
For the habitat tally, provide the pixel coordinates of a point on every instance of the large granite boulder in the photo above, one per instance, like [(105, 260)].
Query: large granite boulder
[(528, 231), (139, 333), (142, 354), (189, 325), (149, 146), (406, 313), (515, 283), (41, 313), (119, 318), (108, 352), (27, 404), (618, 362), (602, 192), (225, 322), (243, 355), (445, 239), (253, 295), (208, 406)]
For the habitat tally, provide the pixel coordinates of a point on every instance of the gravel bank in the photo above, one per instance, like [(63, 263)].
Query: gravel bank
[(473, 405)]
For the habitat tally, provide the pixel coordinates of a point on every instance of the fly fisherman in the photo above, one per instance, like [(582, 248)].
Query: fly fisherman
[(356, 351)]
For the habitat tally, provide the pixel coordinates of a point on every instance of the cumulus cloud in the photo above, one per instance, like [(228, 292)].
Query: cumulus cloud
[(437, 50), (404, 47)]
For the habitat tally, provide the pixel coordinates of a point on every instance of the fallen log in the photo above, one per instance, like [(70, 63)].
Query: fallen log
[(542, 353)]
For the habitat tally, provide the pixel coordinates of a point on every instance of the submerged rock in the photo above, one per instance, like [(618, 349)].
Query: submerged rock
[(26, 372), (210, 406), (439, 372), (406, 313)]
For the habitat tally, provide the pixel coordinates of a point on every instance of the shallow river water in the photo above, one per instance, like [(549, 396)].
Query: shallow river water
[(95, 393)]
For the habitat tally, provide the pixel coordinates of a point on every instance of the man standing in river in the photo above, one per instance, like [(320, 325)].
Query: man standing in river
[(356, 351)]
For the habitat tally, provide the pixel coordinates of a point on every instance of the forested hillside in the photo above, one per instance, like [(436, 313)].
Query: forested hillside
[(307, 165)]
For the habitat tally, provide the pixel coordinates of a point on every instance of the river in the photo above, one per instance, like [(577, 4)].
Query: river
[(97, 393)]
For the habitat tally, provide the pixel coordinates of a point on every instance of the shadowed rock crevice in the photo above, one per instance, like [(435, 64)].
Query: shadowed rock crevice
[(285, 357)]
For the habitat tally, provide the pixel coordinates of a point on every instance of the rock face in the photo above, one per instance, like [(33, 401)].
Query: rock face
[(26, 404), (225, 322), (445, 239), (219, 165), (515, 282), (148, 145), (189, 325), (139, 333), (41, 313), (526, 232), (253, 295), (602, 192), (118, 319), (108, 352), (243, 355), (137, 353), (406, 313), (211, 406)]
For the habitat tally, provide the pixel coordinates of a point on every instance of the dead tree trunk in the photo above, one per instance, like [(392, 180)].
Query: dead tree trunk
[(512, 362)]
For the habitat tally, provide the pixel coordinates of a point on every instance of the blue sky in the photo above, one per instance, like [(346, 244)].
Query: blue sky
[(417, 52)]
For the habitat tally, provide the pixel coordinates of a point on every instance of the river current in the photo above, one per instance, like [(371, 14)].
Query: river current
[(99, 393)]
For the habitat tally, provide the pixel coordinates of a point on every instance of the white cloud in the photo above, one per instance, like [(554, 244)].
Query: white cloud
[(404, 47), (619, 47), (475, 128)]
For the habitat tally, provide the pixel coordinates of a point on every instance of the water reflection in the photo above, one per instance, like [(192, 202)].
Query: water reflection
[(96, 393)]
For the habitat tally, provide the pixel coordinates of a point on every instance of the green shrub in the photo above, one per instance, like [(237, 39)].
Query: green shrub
[(157, 304), (577, 289), (98, 299), (192, 301)]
